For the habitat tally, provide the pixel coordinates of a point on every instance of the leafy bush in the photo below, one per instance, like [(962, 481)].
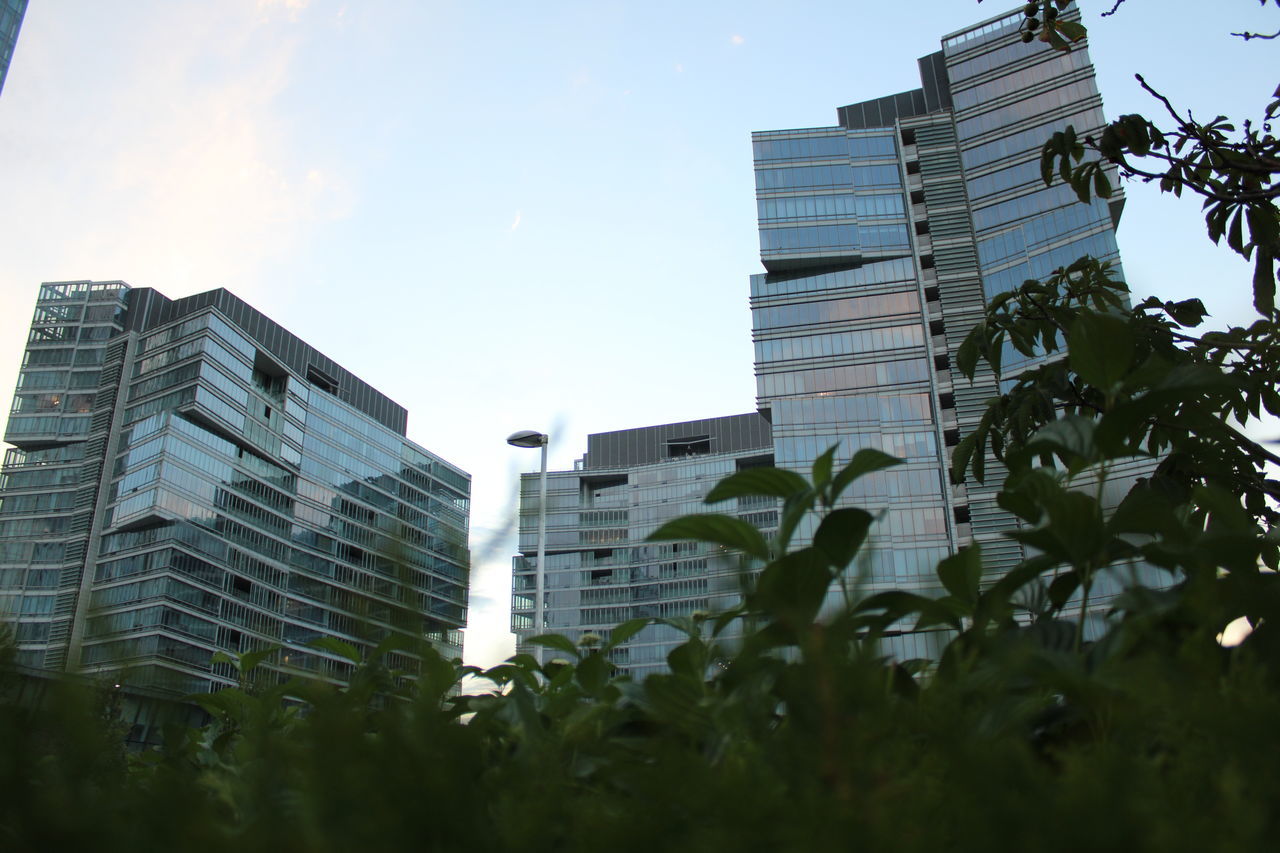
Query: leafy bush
[(1022, 736)]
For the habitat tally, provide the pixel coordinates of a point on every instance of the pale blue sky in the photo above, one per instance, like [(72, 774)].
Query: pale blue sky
[(504, 215)]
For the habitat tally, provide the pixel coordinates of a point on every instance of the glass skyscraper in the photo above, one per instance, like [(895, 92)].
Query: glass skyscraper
[(882, 238), (187, 477), (11, 12)]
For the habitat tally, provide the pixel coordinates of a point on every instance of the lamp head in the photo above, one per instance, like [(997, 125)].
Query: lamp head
[(528, 438)]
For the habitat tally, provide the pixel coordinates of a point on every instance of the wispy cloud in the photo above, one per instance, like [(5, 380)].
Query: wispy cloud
[(182, 178), (737, 39), (291, 9), (515, 223), (679, 67)]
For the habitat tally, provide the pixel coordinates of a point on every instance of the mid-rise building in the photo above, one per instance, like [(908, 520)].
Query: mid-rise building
[(189, 477), (882, 238), (600, 571), (11, 13)]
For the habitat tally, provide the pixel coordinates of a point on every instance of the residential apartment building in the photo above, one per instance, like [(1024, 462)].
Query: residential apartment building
[(882, 238), (189, 477)]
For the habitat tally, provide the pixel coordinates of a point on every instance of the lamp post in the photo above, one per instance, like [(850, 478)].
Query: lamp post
[(533, 438)]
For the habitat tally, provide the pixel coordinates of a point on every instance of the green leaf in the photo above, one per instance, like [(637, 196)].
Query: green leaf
[(1048, 156), (337, 647), (771, 482), (1063, 587), (559, 642), (1070, 438), (1144, 511), (793, 587), (841, 534), (1235, 232), (967, 354), (1071, 30), (1188, 312), (625, 631), (1100, 348), (675, 700), (1101, 186), (230, 702), (1264, 282), (719, 529), (822, 467), (960, 574), (689, 659), (593, 673), (249, 661), (863, 462)]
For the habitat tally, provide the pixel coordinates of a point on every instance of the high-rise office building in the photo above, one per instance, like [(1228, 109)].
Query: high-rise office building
[(11, 13), (187, 476), (882, 237)]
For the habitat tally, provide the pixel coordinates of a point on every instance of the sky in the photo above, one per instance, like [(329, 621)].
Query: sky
[(507, 215)]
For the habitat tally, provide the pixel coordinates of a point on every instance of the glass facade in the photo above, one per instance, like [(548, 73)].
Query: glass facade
[(883, 238), (11, 13), (600, 571), (180, 486), (844, 354)]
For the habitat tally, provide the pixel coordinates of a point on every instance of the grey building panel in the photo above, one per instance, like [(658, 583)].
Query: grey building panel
[(936, 85), (882, 112), (646, 445)]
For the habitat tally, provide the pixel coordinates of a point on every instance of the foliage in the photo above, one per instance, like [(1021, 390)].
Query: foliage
[(1236, 171), (802, 736)]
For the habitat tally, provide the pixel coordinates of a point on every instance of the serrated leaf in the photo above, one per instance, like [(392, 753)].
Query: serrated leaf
[(720, 529)]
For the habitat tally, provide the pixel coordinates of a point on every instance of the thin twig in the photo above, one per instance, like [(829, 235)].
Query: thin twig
[(1248, 35)]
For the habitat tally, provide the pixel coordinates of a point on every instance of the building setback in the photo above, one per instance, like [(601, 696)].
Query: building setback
[(883, 237), (189, 477)]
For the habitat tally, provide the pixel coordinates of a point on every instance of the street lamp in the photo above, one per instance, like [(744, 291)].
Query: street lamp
[(533, 438)]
